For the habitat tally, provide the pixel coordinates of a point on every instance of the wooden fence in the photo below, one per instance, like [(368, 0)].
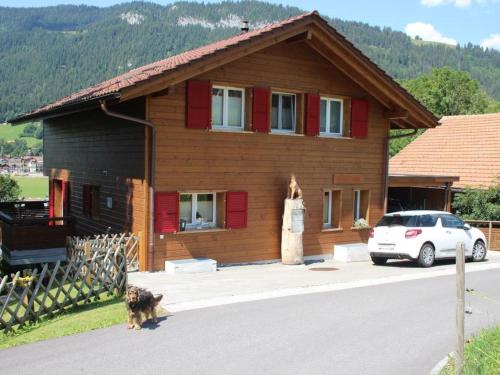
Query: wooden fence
[(491, 230), (95, 266), (128, 241)]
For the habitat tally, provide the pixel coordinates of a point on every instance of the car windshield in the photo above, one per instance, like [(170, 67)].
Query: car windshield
[(408, 221)]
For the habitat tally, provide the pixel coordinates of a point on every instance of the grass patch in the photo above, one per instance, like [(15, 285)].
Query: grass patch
[(10, 133), (100, 314), (482, 355), (33, 187)]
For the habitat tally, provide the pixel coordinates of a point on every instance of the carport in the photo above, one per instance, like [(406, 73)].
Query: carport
[(420, 192)]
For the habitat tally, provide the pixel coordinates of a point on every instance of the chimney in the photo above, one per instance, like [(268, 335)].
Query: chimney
[(244, 27)]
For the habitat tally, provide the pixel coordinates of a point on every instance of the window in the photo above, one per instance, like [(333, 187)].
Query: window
[(283, 112), (91, 201), (451, 221), (332, 207), (361, 200), (227, 108), (426, 221), (198, 211), (331, 116)]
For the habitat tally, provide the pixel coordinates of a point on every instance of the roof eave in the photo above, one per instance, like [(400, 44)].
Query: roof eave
[(65, 109)]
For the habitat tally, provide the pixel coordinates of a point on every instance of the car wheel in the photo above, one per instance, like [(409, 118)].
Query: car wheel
[(478, 251), (379, 261), (426, 256)]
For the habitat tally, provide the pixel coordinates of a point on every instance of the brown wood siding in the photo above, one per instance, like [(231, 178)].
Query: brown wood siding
[(261, 164), (95, 149)]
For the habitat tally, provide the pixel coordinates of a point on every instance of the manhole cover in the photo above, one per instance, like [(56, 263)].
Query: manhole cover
[(323, 269)]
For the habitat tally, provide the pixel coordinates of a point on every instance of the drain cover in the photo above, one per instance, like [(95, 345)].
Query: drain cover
[(323, 269)]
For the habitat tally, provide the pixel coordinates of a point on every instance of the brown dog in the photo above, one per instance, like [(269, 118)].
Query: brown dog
[(140, 301)]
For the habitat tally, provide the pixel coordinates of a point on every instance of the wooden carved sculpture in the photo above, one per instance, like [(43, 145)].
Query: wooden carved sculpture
[(294, 188)]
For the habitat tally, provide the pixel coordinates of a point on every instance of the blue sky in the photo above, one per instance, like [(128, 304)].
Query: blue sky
[(449, 21)]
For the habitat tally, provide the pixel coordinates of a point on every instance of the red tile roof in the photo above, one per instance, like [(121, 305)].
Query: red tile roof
[(137, 75), (467, 146), (144, 73)]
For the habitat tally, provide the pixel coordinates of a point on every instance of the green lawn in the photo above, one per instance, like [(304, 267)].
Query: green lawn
[(33, 187), (104, 313), (10, 133), (482, 355)]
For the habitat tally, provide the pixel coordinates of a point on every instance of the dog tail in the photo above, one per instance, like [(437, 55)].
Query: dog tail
[(158, 298)]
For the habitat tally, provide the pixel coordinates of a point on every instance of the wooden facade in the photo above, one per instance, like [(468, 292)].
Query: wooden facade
[(108, 161), (90, 148), (198, 160)]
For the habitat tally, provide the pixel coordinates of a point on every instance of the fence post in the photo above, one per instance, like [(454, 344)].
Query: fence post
[(490, 229), (460, 311)]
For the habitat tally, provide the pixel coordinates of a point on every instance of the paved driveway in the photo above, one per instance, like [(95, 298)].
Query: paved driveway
[(397, 328), (256, 282)]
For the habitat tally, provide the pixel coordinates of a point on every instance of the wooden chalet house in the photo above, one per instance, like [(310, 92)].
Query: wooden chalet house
[(196, 150)]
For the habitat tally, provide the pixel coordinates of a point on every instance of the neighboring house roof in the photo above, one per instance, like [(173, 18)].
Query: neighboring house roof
[(467, 146), (125, 86)]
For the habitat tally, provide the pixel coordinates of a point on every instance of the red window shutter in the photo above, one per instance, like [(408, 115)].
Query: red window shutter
[(65, 197), (359, 118), (199, 105), (260, 109), (51, 201), (312, 114), (87, 200), (51, 198), (236, 209), (166, 212)]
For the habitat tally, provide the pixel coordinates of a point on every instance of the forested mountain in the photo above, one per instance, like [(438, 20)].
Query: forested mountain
[(46, 53)]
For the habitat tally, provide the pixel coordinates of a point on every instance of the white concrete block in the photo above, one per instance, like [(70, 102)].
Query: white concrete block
[(352, 252), (194, 265)]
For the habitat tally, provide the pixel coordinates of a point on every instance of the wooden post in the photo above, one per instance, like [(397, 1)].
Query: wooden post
[(143, 253), (460, 313), (490, 228), (292, 251)]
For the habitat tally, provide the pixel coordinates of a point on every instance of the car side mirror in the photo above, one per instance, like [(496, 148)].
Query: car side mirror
[(467, 226)]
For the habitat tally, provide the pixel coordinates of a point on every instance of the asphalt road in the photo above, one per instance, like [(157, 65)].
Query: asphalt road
[(399, 328)]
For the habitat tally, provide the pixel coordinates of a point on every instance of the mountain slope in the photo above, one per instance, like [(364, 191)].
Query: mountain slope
[(46, 53)]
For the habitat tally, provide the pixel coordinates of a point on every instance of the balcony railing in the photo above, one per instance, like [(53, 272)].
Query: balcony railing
[(29, 235)]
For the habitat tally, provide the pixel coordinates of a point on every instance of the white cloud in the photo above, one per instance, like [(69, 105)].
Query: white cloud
[(457, 3), (426, 31), (492, 42), (435, 3)]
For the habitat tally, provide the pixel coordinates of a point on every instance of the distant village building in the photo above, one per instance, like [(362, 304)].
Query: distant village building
[(26, 165)]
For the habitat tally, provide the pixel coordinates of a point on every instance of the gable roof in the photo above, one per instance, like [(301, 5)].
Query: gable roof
[(118, 86), (467, 146)]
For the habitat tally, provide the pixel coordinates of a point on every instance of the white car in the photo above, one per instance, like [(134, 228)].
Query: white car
[(423, 236)]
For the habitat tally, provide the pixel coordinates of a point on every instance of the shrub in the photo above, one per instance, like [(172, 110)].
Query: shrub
[(473, 204)]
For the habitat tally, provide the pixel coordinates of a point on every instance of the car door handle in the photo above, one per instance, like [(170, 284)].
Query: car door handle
[(448, 231)]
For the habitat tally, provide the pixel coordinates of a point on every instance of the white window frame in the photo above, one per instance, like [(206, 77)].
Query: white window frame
[(280, 107), (357, 204), (225, 108), (194, 207), (327, 131), (330, 197)]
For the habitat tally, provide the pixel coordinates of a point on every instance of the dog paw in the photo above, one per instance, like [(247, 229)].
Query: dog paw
[(137, 327), (130, 326)]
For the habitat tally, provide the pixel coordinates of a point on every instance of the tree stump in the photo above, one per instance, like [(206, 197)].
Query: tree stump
[(292, 251)]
